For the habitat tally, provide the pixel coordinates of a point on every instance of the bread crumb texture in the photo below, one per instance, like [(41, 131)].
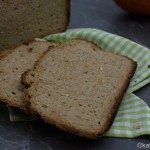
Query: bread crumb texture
[(22, 21), (13, 63), (78, 87)]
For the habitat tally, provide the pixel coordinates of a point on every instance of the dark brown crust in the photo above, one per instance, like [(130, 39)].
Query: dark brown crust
[(23, 78), (111, 114)]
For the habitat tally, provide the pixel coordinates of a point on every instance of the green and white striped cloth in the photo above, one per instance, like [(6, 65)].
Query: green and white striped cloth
[(133, 117)]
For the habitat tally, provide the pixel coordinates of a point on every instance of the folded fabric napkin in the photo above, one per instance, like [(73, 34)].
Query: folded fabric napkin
[(133, 117)]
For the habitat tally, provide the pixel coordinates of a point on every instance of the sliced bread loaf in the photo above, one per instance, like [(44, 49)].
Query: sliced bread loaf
[(77, 87), (22, 21), (13, 63)]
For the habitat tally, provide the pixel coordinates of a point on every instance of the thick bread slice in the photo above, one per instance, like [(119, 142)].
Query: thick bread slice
[(13, 63), (77, 87), (23, 20)]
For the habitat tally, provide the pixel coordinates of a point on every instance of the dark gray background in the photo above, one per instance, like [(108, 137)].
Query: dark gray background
[(37, 135)]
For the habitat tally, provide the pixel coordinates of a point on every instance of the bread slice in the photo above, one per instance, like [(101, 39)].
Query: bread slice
[(14, 62), (22, 21), (78, 87)]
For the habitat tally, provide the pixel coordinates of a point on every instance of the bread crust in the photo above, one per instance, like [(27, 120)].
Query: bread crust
[(110, 117)]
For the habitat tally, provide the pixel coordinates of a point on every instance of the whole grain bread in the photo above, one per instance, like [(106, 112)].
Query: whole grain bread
[(14, 62), (78, 87), (22, 21)]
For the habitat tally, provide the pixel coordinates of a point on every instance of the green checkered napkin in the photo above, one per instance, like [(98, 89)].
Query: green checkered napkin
[(133, 117)]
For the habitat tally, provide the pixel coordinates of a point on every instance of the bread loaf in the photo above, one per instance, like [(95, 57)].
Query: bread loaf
[(14, 62), (22, 21), (78, 87)]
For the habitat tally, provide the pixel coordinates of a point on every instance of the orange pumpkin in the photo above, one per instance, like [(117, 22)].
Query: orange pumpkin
[(140, 7)]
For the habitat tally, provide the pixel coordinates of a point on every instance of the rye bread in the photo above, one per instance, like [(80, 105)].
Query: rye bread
[(14, 62), (23, 20), (78, 87)]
